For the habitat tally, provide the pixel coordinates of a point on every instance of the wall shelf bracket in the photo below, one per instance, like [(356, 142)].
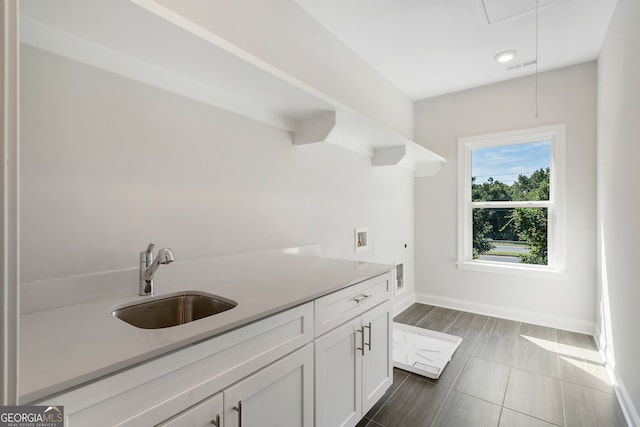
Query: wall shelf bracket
[(388, 156)]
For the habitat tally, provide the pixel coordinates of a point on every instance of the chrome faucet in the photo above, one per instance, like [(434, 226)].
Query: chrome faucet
[(149, 265)]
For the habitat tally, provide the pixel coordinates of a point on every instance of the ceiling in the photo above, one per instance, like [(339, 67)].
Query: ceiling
[(432, 47)]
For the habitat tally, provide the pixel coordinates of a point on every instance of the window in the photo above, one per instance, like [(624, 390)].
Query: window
[(511, 215)]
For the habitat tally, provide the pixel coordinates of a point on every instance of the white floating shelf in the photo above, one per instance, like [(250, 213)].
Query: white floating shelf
[(144, 41), (355, 132)]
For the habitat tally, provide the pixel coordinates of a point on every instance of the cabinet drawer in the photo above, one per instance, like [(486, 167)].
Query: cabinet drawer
[(336, 308)]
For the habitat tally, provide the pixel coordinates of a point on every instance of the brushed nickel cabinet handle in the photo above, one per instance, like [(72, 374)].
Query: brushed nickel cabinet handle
[(369, 343), (361, 348), (361, 298), (216, 422), (239, 410)]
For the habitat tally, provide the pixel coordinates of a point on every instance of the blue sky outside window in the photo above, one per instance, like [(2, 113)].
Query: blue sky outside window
[(505, 163)]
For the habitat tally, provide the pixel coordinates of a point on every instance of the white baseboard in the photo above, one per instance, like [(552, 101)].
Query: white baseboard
[(624, 400), (626, 404), (542, 319), (403, 301)]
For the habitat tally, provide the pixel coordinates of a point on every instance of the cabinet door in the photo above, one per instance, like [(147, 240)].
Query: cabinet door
[(207, 413), (279, 395), (339, 376), (377, 362)]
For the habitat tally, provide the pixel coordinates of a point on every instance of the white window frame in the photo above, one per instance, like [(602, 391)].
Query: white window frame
[(556, 228)]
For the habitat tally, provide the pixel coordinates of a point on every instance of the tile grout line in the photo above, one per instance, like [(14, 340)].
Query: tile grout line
[(517, 345), (564, 407), (464, 365), (534, 417), (504, 397), (441, 406), (480, 334), (506, 389), (424, 316), (371, 420), (453, 321), (562, 387), (387, 401)]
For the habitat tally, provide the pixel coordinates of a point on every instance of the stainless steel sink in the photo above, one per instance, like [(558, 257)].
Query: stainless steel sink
[(173, 310)]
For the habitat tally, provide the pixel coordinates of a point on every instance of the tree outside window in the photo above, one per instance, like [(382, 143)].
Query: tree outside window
[(511, 200), (504, 232)]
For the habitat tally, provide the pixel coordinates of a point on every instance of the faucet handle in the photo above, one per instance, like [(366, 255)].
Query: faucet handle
[(150, 248)]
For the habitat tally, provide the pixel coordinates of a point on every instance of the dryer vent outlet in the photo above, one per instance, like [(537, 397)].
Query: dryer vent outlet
[(399, 276)]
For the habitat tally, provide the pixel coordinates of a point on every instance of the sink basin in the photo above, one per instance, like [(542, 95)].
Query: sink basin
[(173, 310)]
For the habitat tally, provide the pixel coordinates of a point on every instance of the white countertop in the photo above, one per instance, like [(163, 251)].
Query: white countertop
[(67, 346)]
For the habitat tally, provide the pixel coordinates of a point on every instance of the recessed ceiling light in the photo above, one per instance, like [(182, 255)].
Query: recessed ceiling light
[(506, 56)]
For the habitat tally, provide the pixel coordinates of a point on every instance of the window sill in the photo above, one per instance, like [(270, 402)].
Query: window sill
[(514, 270)]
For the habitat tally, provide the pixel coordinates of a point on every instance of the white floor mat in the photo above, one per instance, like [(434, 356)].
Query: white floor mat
[(422, 351)]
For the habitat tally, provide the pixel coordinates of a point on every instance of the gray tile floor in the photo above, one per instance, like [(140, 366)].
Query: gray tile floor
[(504, 374)]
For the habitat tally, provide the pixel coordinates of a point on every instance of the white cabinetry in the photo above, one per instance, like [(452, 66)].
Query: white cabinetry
[(353, 361), (338, 377), (377, 361), (206, 413), (278, 395), (262, 374)]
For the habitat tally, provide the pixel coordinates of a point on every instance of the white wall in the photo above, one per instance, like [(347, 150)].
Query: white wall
[(565, 96), (314, 56), (109, 165), (619, 200)]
